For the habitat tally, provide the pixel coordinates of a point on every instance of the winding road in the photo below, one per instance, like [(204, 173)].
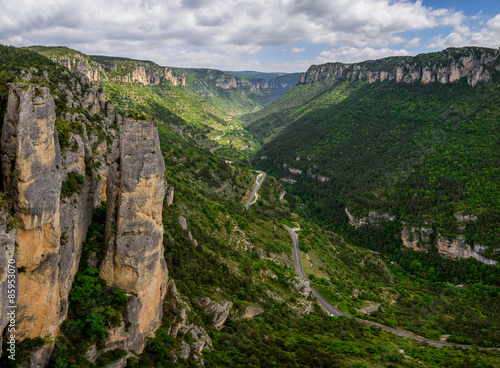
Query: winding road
[(258, 183), (215, 148), (335, 312)]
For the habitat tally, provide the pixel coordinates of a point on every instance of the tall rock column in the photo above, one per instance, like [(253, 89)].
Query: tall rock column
[(31, 168), (134, 232)]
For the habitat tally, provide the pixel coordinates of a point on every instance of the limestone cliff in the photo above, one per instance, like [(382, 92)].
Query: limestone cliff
[(83, 65), (421, 238), (474, 64), (152, 77), (100, 68), (226, 81), (373, 218), (134, 231), (31, 167), (63, 150), (52, 220)]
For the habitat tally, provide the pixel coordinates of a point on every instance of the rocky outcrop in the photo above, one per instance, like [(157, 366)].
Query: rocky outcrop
[(474, 64), (52, 179), (51, 226), (82, 65), (457, 248), (251, 312), (150, 76), (220, 312), (179, 323), (418, 238), (302, 285), (169, 197), (134, 231), (146, 73), (422, 238), (374, 218)]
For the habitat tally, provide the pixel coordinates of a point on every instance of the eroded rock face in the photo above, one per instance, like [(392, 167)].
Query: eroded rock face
[(457, 248), (180, 323), (251, 312), (151, 77), (419, 238), (220, 312), (302, 285), (170, 196), (373, 218), (134, 231), (94, 71), (31, 167)]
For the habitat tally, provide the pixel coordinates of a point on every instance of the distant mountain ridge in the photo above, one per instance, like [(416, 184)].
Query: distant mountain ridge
[(450, 65), (256, 92)]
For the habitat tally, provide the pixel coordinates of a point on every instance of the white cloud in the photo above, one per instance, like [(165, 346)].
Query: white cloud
[(295, 50), (349, 54), (413, 43), (488, 36), (218, 31)]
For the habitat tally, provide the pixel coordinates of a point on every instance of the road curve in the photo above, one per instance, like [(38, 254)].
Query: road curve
[(335, 312), (215, 148), (258, 183)]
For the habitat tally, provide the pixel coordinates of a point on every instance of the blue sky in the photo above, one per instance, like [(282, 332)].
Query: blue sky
[(263, 35)]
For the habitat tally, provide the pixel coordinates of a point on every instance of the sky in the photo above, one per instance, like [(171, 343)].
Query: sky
[(261, 35)]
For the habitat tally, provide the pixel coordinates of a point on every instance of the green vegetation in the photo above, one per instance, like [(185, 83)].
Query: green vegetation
[(415, 294), (64, 128), (94, 307), (401, 149), (71, 185)]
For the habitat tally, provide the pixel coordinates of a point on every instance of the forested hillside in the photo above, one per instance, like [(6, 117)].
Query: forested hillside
[(425, 154)]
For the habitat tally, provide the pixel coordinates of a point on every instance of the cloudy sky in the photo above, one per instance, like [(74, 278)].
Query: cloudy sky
[(263, 35)]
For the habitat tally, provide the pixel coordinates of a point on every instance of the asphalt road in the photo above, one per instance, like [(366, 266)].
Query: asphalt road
[(215, 148), (258, 183), (335, 312)]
